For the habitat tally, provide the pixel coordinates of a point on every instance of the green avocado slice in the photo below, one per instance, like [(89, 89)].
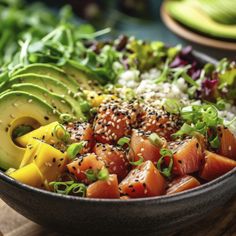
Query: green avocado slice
[(53, 99), (20, 108), (51, 71), (193, 17), (51, 85), (87, 82)]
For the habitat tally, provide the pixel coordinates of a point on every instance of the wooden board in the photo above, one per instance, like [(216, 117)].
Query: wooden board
[(219, 223), (192, 36)]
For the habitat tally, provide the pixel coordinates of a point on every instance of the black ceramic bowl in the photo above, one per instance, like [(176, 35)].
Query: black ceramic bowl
[(83, 216)]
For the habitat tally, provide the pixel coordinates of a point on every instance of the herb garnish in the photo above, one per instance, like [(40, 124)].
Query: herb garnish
[(166, 171), (69, 188)]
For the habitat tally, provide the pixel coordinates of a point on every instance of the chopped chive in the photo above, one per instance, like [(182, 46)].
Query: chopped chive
[(64, 118), (91, 175), (75, 148), (123, 141), (166, 171), (172, 106), (156, 140), (69, 188), (138, 162), (60, 133), (103, 174)]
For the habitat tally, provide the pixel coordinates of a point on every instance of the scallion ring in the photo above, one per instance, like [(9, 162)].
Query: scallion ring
[(75, 148), (138, 162), (91, 175), (103, 174), (123, 141), (166, 171), (60, 133), (156, 140)]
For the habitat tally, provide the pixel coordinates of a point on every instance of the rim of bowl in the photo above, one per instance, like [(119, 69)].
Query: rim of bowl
[(164, 198)]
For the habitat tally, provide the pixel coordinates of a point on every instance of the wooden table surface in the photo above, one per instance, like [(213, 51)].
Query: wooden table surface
[(221, 222)]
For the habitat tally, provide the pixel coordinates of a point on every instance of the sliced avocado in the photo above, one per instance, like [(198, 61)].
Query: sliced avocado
[(86, 82), (20, 108), (51, 71), (220, 11), (53, 99), (53, 86), (195, 18)]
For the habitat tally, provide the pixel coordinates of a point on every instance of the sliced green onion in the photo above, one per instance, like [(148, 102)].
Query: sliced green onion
[(103, 174), (172, 106), (186, 129), (166, 152), (164, 75), (221, 104), (210, 115), (156, 140), (69, 187), (189, 80), (123, 141), (91, 175), (64, 118), (215, 142), (166, 171), (64, 136), (77, 189), (75, 148), (60, 187), (138, 162)]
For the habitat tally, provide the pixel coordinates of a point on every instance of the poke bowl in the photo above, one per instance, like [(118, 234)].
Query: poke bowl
[(119, 136)]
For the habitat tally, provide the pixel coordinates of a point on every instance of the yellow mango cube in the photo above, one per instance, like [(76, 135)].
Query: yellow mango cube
[(50, 161), (30, 151), (29, 174), (50, 134)]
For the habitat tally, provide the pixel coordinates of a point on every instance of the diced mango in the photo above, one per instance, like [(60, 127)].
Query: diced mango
[(29, 174), (30, 151), (50, 161), (45, 133)]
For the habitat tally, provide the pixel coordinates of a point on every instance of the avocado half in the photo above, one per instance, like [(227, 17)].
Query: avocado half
[(20, 108), (192, 16)]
